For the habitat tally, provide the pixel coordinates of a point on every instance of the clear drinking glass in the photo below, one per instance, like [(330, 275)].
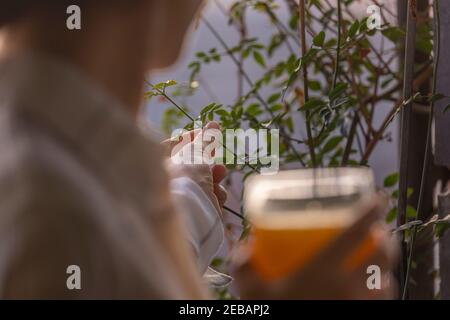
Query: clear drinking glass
[(296, 213)]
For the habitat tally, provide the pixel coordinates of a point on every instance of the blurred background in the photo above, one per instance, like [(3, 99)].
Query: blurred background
[(218, 82)]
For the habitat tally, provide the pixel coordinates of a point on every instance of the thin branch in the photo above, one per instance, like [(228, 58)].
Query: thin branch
[(355, 121), (168, 98), (379, 133), (235, 213), (176, 105), (338, 48), (305, 82), (251, 84)]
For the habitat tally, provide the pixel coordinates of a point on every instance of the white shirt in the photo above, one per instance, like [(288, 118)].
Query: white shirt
[(81, 185)]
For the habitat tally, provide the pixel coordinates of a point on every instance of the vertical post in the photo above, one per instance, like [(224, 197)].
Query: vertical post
[(444, 248), (423, 251), (406, 113), (441, 144), (412, 169), (441, 118)]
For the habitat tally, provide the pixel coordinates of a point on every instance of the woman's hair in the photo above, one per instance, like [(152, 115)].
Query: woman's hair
[(13, 10)]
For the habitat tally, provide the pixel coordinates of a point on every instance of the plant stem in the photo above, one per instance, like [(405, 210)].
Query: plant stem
[(251, 84), (235, 213), (419, 78), (379, 133), (355, 121), (176, 105), (338, 46), (305, 83), (173, 102), (424, 72)]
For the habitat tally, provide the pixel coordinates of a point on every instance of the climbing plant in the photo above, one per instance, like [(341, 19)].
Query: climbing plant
[(328, 75)]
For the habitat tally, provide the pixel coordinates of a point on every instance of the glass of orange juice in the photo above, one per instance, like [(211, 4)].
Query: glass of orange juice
[(296, 213)]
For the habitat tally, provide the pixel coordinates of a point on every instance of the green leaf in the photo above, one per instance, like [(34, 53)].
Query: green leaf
[(312, 104), (246, 53), (170, 83), (353, 29), (395, 194), (293, 22), (164, 85), (259, 59), (394, 34), (441, 227), (331, 144), (208, 108), (254, 109), (424, 45), (391, 180), (201, 55), (337, 91), (274, 98), (314, 85), (276, 107), (437, 97), (411, 212), (319, 39), (309, 56), (222, 113), (447, 107), (409, 192), (392, 215), (150, 94), (275, 43), (292, 77)]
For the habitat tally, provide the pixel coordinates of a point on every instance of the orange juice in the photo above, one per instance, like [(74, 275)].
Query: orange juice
[(295, 214)]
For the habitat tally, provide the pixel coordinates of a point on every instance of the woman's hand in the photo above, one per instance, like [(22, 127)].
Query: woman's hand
[(328, 276), (208, 177)]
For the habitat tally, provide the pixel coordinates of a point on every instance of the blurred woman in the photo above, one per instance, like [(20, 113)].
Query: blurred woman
[(88, 208)]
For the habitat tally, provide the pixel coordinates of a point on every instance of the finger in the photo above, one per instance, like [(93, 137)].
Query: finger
[(203, 140), (372, 280), (186, 138), (221, 194), (381, 244), (378, 260), (212, 125), (219, 172), (353, 236)]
